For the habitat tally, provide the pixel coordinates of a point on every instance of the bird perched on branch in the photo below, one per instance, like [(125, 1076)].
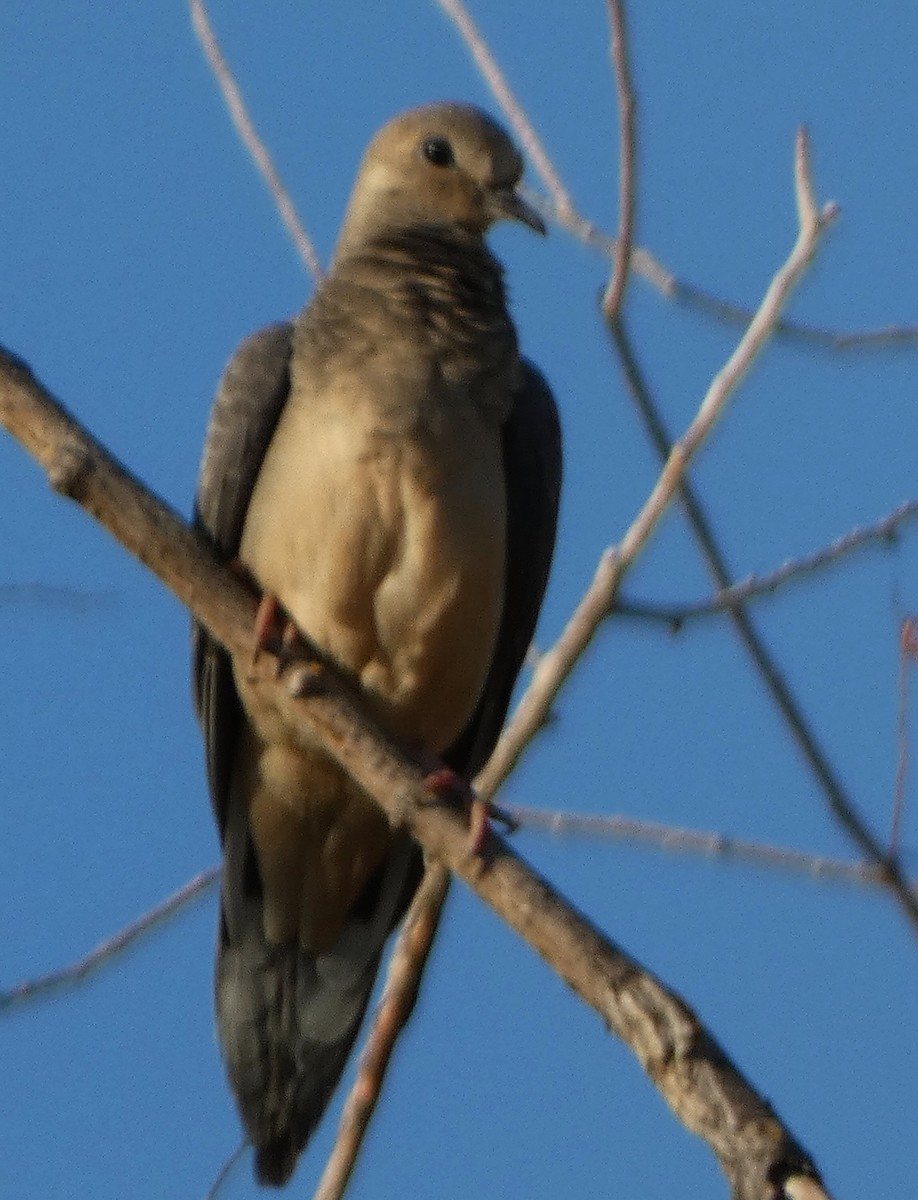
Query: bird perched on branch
[(386, 467)]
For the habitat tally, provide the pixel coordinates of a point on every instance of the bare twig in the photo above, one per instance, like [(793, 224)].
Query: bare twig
[(886, 338), (692, 841), (627, 140), (753, 586), (563, 210), (557, 662), (226, 1170), (406, 966), (513, 111), (705, 1090), (76, 972), (250, 139), (840, 805)]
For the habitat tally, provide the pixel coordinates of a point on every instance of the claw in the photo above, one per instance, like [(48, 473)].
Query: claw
[(443, 782), (267, 620)]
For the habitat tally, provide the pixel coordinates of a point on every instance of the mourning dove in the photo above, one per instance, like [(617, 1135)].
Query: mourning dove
[(388, 468)]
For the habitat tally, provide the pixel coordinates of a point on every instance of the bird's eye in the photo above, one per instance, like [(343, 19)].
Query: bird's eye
[(438, 151)]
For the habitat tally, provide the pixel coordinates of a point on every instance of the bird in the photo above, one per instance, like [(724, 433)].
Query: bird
[(386, 468)]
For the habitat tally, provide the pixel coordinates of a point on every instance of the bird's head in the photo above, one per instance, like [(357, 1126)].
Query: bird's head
[(443, 164)]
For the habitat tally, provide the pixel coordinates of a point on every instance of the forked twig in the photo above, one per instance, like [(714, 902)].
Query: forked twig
[(563, 210), (838, 802), (753, 586)]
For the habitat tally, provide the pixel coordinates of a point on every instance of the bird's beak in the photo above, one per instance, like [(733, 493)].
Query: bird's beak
[(508, 205)]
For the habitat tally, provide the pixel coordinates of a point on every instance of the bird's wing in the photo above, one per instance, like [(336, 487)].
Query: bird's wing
[(287, 1019), (248, 404), (532, 468)]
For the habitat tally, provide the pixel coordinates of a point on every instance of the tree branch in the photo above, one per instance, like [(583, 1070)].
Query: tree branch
[(627, 145), (908, 647), (557, 663), (250, 139), (704, 1089), (226, 1170), (563, 210), (76, 972), (839, 804), (403, 980), (753, 586), (692, 841)]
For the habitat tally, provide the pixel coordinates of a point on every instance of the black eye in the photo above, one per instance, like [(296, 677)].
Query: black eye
[(438, 151)]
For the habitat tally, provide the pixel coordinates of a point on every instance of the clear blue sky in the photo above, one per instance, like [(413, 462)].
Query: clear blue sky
[(137, 246)]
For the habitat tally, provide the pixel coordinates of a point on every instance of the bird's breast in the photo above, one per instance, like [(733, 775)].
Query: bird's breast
[(381, 528)]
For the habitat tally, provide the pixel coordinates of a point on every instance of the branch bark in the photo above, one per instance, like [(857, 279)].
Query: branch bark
[(705, 1090)]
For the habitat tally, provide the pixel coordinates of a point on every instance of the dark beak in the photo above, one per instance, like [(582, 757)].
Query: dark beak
[(508, 205)]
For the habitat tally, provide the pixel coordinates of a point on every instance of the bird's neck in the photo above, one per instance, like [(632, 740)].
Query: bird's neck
[(429, 269), (436, 293)]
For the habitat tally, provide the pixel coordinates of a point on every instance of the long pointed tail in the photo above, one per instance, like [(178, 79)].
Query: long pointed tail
[(287, 1019)]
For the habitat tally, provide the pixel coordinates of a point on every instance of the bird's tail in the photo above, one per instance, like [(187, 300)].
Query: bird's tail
[(287, 1018)]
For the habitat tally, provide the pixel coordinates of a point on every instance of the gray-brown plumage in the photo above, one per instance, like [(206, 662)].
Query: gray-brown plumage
[(388, 467)]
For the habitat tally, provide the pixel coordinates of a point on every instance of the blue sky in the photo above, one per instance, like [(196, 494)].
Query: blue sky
[(138, 246)]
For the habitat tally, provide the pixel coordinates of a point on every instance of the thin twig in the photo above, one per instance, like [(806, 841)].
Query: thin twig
[(627, 153), (76, 972), (563, 210), (226, 1170), (753, 586), (689, 296), (557, 662), (692, 841), (709, 1095), (251, 140), (886, 338), (838, 801), (513, 110), (406, 966)]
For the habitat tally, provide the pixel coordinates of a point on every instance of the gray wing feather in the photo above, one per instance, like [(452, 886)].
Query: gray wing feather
[(246, 410), (287, 1019), (532, 470)]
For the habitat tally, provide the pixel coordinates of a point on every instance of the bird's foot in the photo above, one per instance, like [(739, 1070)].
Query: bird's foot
[(444, 784), (266, 633), (275, 633), (268, 630)]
